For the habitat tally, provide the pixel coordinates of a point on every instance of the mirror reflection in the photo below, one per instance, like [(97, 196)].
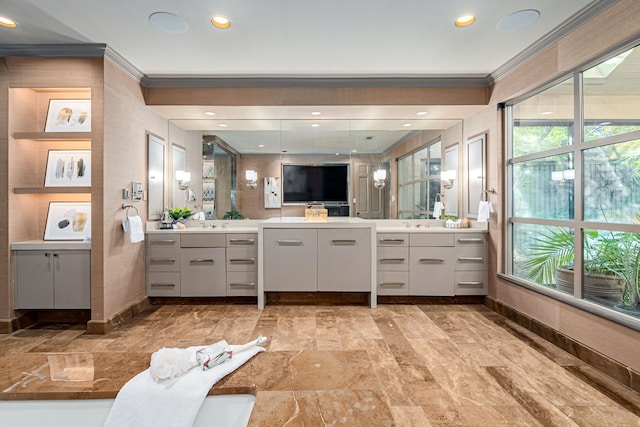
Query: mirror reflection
[(372, 169)]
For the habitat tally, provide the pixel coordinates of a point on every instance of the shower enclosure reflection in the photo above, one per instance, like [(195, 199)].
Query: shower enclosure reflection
[(219, 178)]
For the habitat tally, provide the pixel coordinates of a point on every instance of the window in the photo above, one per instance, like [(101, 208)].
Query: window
[(419, 182), (574, 188)]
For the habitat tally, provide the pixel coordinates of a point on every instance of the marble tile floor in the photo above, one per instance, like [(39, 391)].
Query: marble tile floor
[(396, 365)]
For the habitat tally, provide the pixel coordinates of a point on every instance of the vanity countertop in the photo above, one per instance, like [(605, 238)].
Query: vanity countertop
[(51, 245)]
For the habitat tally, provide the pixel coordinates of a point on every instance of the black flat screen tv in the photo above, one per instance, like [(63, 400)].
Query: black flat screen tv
[(322, 183)]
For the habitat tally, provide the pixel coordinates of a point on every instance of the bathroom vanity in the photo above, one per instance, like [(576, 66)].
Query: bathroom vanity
[(379, 257)]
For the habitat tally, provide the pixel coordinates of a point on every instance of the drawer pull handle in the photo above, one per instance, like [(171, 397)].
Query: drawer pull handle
[(431, 260), (242, 241), (343, 242), (391, 240), (244, 285), (289, 242), (471, 240), (471, 259), (201, 261), (162, 260), (162, 242), (471, 284), (163, 285), (390, 284), (391, 260), (243, 260)]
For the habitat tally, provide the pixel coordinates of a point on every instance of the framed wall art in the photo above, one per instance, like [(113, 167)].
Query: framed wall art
[(68, 221), (68, 115), (68, 168)]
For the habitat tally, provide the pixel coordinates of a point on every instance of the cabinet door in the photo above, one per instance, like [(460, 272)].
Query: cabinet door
[(431, 271), (34, 279), (344, 260), (72, 279), (203, 272), (290, 260)]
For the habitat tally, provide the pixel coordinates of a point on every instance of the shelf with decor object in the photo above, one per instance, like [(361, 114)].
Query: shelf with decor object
[(53, 136), (52, 190)]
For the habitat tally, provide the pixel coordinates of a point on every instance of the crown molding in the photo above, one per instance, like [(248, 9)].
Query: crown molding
[(591, 11), (266, 82), (74, 50)]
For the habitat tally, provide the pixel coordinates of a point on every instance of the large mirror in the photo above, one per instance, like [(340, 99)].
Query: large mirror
[(240, 165)]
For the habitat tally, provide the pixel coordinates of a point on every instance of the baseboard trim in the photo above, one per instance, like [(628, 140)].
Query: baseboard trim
[(610, 367), (103, 327), (8, 326)]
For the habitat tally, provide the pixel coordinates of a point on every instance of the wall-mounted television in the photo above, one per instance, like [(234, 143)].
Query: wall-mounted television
[(322, 183)]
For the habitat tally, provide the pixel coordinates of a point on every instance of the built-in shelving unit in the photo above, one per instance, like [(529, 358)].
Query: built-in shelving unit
[(52, 190), (53, 136)]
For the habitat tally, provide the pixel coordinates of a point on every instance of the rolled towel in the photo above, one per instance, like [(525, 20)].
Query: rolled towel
[(438, 207)]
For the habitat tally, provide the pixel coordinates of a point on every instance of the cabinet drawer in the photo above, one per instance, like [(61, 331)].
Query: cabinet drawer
[(203, 240), (290, 260), (344, 260), (471, 258), (242, 283), (241, 239), (242, 258), (163, 241), (203, 272), (431, 271), (163, 284), (432, 239), (393, 259), (392, 283), (163, 259), (392, 239), (471, 239), (471, 282)]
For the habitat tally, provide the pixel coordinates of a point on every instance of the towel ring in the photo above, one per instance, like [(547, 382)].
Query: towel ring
[(127, 207), (484, 195)]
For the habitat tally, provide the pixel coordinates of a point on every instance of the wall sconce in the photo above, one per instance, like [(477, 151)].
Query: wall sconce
[(379, 178), (183, 179), (251, 177), (447, 177)]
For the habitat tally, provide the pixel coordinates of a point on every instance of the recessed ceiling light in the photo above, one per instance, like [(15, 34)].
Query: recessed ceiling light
[(315, 113), (518, 20), (337, 154), (421, 113), (223, 125), (210, 113), (260, 145), (219, 21), (546, 113), (168, 22), (315, 125), (354, 151), (406, 125), (7, 23), (465, 20)]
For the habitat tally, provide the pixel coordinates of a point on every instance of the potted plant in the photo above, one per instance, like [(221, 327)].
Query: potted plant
[(233, 215), (611, 263), (179, 213)]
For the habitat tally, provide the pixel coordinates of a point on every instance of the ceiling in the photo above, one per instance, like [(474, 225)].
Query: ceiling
[(287, 39)]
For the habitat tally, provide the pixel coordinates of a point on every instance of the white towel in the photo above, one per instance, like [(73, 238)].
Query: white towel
[(145, 402), (132, 225), (438, 207), (484, 210)]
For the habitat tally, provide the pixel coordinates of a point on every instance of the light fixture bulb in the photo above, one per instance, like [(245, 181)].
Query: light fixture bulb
[(7, 23), (221, 22), (465, 20)]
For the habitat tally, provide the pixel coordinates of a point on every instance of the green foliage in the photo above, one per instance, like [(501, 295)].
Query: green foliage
[(233, 215), (177, 213), (451, 217)]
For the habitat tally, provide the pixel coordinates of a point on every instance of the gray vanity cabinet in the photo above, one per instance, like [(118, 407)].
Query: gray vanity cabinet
[(471, 264), (392, 264), (432, 264), (290, 260), (242, 264), (344, 260), (203, 265), (163, 265), (53, 279)]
